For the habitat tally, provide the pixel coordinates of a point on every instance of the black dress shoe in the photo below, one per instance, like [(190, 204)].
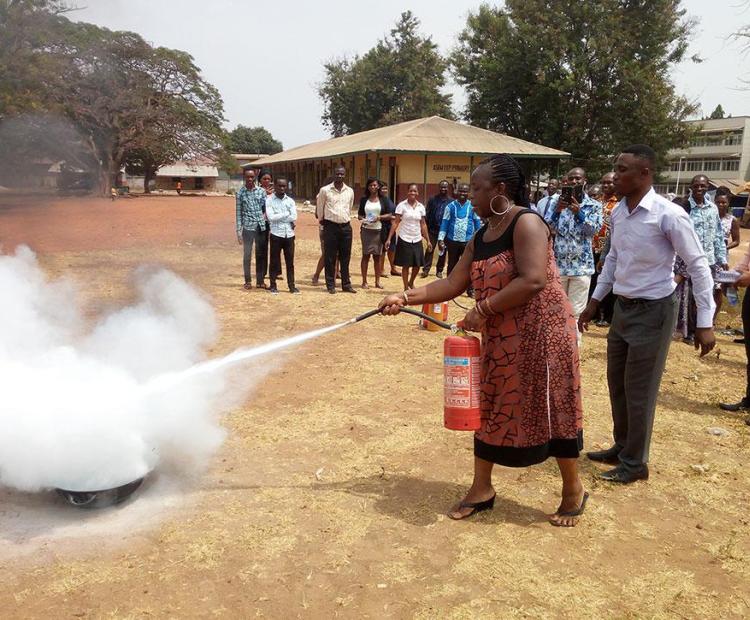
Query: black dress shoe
[(743, 405), (605, 456), (331, 290), (625, 476), (348, 289)]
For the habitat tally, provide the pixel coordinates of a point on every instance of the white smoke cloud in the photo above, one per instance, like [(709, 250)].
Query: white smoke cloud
[(74, 411)]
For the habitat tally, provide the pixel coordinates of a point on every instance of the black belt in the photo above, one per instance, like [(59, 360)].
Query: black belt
[(335, 223), (627, 302)]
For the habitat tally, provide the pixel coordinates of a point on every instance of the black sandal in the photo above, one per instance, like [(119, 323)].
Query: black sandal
[(487, 504), (571, 513)]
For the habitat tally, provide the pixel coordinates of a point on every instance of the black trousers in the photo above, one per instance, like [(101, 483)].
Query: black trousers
[(746, 329), (337, 243), (454, 250), (637, 347), (261, 254), (607, 305), (428, 256), (279, 245)]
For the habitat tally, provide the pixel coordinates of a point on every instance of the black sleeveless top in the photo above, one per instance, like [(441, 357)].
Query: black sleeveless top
[(483, 250)]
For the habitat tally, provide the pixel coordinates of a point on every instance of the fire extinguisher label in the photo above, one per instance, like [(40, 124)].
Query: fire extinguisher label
[(461, 384)]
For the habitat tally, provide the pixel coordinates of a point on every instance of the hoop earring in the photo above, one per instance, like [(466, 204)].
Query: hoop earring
[(505, 199)]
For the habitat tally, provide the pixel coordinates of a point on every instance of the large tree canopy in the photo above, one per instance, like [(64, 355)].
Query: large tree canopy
[(585, 77), (123, 97), (253, 140), (400, 79)]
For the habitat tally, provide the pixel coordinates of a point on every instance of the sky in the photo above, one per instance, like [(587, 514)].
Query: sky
[(267, 58)]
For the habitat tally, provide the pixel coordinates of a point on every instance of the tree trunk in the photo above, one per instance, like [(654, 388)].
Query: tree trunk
[(149, 172), (107, 173)]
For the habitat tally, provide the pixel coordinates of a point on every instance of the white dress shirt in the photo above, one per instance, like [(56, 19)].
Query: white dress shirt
[(641, 257), (410, 229), (281, 213)]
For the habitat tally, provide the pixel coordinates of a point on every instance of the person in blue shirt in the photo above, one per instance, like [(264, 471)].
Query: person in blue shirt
[(282, 215), (575, 218), (435, 210), (458, 226)]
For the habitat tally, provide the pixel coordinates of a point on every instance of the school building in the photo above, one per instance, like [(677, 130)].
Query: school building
[(423, 151)]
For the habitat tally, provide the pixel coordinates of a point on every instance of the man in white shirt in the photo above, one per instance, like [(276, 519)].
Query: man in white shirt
[(646, 231), (552, 186), (282, 215), (333, 210)]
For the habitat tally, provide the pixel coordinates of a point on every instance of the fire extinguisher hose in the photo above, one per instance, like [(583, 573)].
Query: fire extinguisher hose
[(421, 315)]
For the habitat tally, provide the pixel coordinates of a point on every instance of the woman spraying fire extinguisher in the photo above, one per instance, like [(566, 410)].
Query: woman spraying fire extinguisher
[(530, 379)]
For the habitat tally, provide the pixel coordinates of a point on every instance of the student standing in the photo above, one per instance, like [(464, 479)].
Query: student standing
[(266, 184), (599, 245), (333, 210), (387, 220), (458, 226), (411, 228), (371, 210), (646, 231), (707, 225), (251, 227), (282, 215), (434, 216)]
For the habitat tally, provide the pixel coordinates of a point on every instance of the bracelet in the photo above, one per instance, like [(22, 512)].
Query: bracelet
[(479, 310), (406, 298), (487, 308)]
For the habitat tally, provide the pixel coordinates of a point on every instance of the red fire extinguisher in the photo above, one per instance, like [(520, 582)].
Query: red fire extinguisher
[(461, 368), (461, 371)]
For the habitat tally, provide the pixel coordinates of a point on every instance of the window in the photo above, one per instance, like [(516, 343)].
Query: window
[(694, 165), (711, 165), (733, 139), (730, 164)]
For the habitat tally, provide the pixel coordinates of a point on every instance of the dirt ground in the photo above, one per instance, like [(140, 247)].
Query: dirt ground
[(327, 498)]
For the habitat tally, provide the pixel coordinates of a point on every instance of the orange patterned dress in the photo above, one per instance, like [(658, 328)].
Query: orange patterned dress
[(531, 382)]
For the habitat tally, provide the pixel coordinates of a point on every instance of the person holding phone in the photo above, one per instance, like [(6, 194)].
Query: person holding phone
[(575, 218)]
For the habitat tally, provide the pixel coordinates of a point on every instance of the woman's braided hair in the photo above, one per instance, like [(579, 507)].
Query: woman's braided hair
[(505, 169)]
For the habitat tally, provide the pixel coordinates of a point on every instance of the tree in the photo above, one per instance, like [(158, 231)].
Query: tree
[(121, 95), (400, 79), (253, 140), (718, 112), (585, 77)]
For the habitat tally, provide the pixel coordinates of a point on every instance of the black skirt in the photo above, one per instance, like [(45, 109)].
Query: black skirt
[(409, 254)]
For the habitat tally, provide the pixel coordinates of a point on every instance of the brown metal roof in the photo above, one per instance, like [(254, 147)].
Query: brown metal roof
[(433, 135)]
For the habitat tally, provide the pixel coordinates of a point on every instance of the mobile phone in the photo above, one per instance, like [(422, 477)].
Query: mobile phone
[(566, 193)]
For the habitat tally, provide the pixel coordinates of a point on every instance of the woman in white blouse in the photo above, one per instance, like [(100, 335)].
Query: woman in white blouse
[(411, 228)]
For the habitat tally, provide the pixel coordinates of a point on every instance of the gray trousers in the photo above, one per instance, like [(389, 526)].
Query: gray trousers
[(637, 347), (250, 238)]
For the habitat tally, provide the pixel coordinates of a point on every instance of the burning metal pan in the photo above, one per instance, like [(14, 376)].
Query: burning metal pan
[(100, 499)]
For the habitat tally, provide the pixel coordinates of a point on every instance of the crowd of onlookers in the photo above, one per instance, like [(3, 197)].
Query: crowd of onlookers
[(577, 212)]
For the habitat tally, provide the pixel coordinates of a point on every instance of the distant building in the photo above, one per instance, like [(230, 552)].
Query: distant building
[(720, 150), (200, 175), (423, 151)]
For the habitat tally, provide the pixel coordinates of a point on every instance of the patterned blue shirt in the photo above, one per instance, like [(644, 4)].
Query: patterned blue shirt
[(707, 225), (573, 235), (250, 206), (459, 222)]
